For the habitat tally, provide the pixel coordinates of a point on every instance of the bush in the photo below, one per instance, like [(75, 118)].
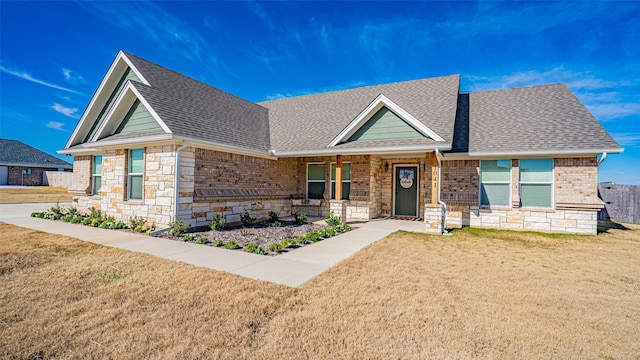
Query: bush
[(231, 245), (95, 222), (301, 240), (331, 231), (136, 221), (247, 220), (140, 229), (332, 219), (217, 243), (254, 248), (86, 220), (217, 223), (275, 247), (202, 240), (77, 219), (288, 243), (324, 233), (188, 237), (178, 227), (273, 216), (68, 218), (313, 236), (300, 219), (95, 213)]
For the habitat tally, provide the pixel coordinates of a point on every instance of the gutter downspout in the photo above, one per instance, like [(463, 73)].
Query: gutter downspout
[(602, 158), (444, 206), (177, 192)]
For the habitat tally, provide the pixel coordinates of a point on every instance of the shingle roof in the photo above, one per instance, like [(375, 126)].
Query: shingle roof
[(196, 110), (14, 152), (310, 122), (536, 118)]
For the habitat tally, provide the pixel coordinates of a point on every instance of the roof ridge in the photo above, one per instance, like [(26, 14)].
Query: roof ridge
[(358, 88), (185, 76), (517, 88)]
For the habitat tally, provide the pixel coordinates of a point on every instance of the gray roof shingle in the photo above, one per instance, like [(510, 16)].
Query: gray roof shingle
[(14, 152), (529, 119), (196, 110), (310, 122)]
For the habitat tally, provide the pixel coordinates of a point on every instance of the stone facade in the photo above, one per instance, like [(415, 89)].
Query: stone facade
[(217, 183)]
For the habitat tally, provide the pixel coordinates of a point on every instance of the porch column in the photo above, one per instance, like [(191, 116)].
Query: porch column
[(338, 177), (434, 178)]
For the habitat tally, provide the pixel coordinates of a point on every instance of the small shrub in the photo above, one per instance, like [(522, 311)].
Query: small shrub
[(300, 219), (217, 222), (36, 214), (57, 210), (77, 219), (87, 220), (331, 231), (254, 248), (217, 243), (136, 221), (331, 219), (273, 216), (288, 243), (95, 213), (140, 229), (95, 222), (72, 211), (68, 218), (178, 227), (343, 228), (301, 240), (324, 233), (188, 237), (231, 245), (247, 220), (313, 236), (202, 240), (120, 225), (274, 247)]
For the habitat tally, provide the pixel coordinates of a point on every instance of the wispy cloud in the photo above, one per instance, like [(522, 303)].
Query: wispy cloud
[(71, 77), (600, 96), (147, 20), (28, 77), (70, 112), (627, 139), (260, 12), (56, 125)]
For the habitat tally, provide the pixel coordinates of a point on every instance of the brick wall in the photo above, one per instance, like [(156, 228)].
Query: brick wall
[(460, 182), (34, 178), (576, 183), (81, 184)]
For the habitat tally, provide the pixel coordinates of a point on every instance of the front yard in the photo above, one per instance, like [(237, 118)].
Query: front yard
[(477, 294)]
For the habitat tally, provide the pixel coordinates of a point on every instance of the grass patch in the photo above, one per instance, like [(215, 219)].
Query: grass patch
[(473, 295), (34, 194)]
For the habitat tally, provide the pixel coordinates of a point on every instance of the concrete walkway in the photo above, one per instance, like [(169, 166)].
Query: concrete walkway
[(292, 269)]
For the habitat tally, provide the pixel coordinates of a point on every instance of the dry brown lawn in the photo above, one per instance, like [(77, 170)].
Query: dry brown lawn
[(34, 194), (477, 294)]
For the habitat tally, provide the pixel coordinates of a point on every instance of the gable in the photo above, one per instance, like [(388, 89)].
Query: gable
[(128, 75), (392, 123), (385, 125), (138, 119)]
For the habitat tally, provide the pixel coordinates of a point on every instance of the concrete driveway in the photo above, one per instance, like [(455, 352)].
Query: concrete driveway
[(292, 269)]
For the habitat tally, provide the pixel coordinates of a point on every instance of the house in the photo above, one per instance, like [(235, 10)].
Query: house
[(157, 144), (21, 164)]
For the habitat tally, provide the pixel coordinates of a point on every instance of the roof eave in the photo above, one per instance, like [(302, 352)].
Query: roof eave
[(532, 154), (399, 150)]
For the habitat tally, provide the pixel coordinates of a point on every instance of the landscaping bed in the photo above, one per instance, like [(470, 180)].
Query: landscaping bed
[(270, 237)]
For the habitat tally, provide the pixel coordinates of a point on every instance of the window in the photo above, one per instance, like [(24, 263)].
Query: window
[(346, 180), (495, 183), (96, 175), (135, 173), (316, 174), (536, 183)]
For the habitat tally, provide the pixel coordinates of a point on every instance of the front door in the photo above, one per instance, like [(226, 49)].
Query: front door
[(406, 191)]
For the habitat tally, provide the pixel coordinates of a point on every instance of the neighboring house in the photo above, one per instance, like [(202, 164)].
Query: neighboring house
[(21, 164), (521, 158)]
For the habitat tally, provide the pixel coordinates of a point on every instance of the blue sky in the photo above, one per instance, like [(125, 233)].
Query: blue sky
[(53, 55)]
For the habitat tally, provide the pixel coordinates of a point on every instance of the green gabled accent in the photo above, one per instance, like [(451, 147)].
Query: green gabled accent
[(128, 75), (138, 119), (385, 125)]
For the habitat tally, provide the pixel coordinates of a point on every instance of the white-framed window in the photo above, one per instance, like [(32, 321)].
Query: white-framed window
[(536, 183), (96, 174), (135, 174), (495, 183), (316, 180), (346, 180)]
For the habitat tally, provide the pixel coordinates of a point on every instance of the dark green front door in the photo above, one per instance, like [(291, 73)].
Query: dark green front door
[(406, 191)]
